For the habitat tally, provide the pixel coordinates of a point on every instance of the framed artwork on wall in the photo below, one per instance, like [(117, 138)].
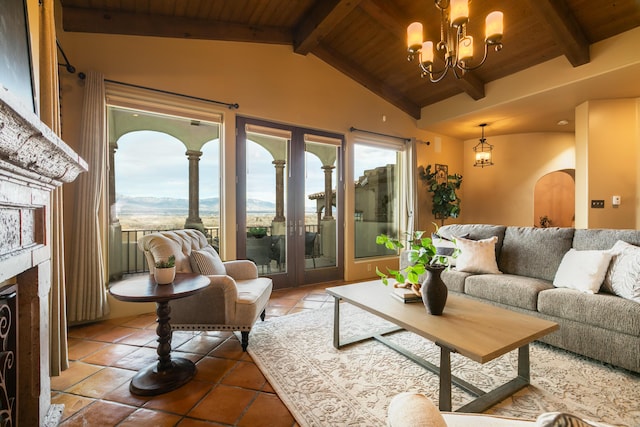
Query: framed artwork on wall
[(16, 71), (442, 172)]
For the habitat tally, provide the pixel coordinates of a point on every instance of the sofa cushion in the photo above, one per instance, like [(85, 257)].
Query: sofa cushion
[(603, 310), (454, 279), (623, 276), (582, 270), (603, 238), (516, 291), (474, 232), (446, 248), (253, 295), (207, 262), (477, 256), (534, 252)]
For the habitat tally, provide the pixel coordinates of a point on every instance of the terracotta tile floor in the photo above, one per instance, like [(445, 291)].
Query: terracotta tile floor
[(228, 389)]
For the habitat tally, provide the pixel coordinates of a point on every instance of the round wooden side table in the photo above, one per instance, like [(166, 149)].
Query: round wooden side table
[(168, 373)]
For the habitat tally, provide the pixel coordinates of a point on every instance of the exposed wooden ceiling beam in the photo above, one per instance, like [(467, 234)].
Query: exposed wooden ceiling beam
[(319, 22), (388, 16), (564, 28), (95, 21), (471, 85), (391, 18), (373, 84)]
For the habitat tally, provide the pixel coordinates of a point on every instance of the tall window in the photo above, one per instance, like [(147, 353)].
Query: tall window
[(152, 181), (377, 197), (166, 175)]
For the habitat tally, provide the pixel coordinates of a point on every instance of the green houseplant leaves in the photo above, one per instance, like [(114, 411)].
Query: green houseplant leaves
[(446, 203)]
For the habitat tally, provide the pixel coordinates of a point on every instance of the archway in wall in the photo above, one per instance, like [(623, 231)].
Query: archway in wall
[(554, 199)]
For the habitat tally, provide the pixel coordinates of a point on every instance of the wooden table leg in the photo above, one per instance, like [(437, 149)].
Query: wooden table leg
[(167, 373)]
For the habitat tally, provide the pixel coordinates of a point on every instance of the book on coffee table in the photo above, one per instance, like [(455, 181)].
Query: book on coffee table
[(405, 295)]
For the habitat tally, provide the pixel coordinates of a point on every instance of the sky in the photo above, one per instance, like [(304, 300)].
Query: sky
[(153, 163)]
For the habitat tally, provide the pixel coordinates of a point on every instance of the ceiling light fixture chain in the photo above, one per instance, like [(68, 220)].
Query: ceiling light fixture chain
[(455, 46)]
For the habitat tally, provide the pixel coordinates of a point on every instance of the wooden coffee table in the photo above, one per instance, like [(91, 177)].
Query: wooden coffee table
[(478, 331), (167, 373)]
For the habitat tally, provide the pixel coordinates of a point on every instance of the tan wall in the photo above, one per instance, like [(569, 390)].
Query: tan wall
[(445, 151), (609, 151), (503, 193), (268, 81)]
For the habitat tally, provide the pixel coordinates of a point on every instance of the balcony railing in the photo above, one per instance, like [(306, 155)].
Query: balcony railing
[(133, 260)]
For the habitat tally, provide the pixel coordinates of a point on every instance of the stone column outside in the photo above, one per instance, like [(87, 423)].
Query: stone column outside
[(328, 191), (194, 220), (279, 165)]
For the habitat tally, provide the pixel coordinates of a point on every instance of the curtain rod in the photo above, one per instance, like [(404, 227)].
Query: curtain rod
[(231, 106), (352, 129), (67, 65)]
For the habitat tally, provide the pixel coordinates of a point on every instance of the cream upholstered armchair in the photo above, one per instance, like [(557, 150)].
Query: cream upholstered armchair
[(233, 301)]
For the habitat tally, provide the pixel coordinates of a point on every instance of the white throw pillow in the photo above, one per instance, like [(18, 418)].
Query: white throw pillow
[(582, 270), (477, 256), (623, 276), (559, 419), (207, 262), (409, 409)]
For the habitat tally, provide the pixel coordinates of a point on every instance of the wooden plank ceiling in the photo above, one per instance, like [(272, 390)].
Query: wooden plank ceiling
[(365, 39)]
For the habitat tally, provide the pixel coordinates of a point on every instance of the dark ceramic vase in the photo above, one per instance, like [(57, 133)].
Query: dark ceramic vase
[(434, 291)]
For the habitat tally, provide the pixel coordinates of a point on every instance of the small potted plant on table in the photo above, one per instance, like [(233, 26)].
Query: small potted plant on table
[(165, 271)]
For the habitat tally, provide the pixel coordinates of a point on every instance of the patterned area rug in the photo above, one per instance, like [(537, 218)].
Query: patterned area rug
[(352, 386)]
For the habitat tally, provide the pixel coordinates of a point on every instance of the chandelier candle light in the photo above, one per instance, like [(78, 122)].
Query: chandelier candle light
[(455, 45), (483, 151)]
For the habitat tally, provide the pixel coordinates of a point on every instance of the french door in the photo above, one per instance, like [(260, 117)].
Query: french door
[(290, 201)]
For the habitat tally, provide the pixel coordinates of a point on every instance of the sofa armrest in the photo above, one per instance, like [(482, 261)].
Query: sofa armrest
[(241, 269), (213, 305)]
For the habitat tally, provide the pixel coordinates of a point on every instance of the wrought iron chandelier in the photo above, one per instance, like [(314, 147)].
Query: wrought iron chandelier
[(483, 151), (455, 45)]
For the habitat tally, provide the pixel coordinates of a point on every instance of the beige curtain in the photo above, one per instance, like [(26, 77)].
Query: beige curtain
[(409, 184), (86, 281), (50, 114)]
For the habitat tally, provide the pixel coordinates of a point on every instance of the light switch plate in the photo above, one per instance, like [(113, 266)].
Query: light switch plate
[(597, 204)]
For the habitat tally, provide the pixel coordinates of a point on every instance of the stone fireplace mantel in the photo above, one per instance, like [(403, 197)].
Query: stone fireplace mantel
[(33, 162)]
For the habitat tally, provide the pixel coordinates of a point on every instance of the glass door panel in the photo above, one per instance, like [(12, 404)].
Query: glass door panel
[(320, 243), (284, 224), (265, 195)]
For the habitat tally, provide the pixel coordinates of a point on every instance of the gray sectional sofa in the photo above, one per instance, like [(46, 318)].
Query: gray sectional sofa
[(601, 326)]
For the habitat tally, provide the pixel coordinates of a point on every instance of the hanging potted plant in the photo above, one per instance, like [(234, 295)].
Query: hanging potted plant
[(165, 271), (446, 203)]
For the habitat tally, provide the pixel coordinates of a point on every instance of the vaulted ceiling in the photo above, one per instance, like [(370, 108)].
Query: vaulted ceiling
[(366, 39)]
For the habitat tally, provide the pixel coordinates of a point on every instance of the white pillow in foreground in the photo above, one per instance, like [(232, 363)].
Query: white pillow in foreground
[(582, 270)]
